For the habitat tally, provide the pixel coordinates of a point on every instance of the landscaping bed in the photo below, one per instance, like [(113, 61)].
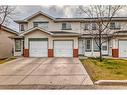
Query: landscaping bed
[(109, 69), (6, 60)]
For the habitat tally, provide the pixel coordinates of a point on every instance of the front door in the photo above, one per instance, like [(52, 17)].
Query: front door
[(81, 47)]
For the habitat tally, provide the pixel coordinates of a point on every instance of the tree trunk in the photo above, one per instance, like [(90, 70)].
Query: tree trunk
[(100, 55), (100, 44)]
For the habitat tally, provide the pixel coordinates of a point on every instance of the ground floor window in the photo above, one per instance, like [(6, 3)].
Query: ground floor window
[(95, 45), (17, 45), (104, 46), (88, 45)]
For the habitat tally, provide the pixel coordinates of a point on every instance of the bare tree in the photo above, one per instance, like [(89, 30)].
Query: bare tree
[(101, 15), (5, 13)]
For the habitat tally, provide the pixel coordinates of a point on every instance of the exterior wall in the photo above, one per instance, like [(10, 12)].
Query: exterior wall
[(53, 26), (76, 27), (57, 26), (6, 44), (40, 34), (92, 53), (37, 34)]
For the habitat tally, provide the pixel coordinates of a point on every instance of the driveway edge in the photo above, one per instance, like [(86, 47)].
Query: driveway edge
[(90, 82)]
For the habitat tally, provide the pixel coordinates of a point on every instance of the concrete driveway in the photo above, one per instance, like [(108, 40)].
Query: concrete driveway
[(46, 71)]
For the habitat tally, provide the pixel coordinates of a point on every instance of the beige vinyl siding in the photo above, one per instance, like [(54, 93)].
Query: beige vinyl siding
[(6, 44)]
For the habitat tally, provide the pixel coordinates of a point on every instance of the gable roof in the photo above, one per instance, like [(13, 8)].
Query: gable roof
[(52, 33), (33, 15), (9, 29), (65, 33), (36, 28)]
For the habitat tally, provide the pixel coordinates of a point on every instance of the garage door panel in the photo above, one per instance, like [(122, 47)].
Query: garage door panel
[(123, 48), (38, 49), (63, 48)]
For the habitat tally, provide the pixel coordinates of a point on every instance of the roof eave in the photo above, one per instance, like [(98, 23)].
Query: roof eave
[(26, 32), (66, 35), (10, 30)]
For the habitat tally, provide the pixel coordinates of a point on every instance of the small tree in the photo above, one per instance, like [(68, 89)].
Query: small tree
[(5, 13), (101, 15)]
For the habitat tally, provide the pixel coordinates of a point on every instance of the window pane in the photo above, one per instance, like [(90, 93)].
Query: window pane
[(63, 25), (95, 45), (86, 26), (118, 25), (115, 25), (66, 26), (94, 26), (88, 45), (17, 45), (35, 24), (22, 27), (112, 25), (41, 24), (104, 47)]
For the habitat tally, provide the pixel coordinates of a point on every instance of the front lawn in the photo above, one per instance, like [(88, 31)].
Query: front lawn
[(6, 60), (109, 69)]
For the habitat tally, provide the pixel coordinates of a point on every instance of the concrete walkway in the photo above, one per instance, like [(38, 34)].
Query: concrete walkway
[(44, 71)]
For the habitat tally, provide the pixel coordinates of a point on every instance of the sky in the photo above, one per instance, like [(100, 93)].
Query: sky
[(21, 12), (56, 11)]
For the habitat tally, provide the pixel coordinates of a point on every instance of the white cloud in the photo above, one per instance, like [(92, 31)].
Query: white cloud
[(55, 11)]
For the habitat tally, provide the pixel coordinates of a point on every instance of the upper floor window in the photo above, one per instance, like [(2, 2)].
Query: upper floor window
[(94, 26), (66, 26), (41, 24), (86, 26), (115, 25), (22, 27)]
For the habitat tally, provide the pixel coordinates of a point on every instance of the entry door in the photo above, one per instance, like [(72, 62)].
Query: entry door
[(123, 48), (38, 49), (63, 48), (80, 47)]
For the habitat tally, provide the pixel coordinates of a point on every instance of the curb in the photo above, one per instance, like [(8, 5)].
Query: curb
[(111, 82)]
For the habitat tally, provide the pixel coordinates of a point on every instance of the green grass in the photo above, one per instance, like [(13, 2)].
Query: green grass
[(6, 60), (109, 69)]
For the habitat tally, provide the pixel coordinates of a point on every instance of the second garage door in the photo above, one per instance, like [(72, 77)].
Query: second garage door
[(63, 48)]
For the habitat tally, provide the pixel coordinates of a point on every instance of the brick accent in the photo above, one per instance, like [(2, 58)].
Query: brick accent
[(50, 52), (75, 52), (115, 53), (26, 52)]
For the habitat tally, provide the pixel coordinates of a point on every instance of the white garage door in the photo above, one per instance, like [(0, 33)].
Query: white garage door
[(123, 48), (63, 48), (38, 49)]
